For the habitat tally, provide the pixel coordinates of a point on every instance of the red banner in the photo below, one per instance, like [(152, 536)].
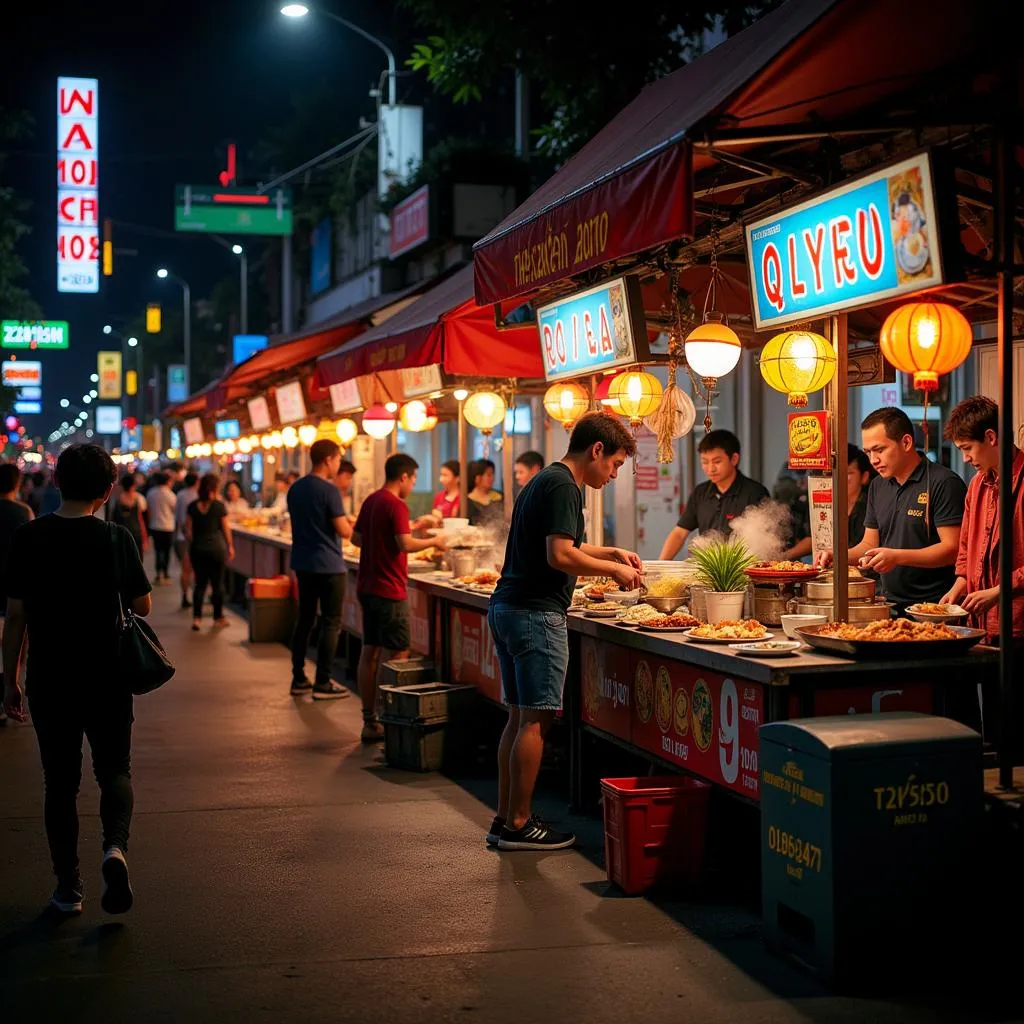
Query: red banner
[(420, 611), (473, 660), (606, 687), (643, 207)]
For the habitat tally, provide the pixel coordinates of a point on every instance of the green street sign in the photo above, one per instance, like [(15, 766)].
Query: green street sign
[(34, 334), (232, 211)]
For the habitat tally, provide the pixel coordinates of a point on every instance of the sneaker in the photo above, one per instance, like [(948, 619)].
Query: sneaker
[(301, 685), (329, 691), (185, 603), (534, 835), (117, 889), (495, 831), (373, 732), (67, 899)]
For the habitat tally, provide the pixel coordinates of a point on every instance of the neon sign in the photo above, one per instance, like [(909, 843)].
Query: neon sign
[(78, 240), (868, 240)]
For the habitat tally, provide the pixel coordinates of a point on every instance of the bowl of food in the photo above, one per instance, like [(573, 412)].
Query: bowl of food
[(791, 623), (665, 605), (926, 611)]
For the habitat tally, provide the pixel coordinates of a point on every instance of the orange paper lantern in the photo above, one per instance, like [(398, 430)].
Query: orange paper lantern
[(926, 339)]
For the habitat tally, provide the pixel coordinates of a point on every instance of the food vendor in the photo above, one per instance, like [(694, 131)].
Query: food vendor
[(974, 428), (727, 494), (446, 503), (912, 516), (485, 504)]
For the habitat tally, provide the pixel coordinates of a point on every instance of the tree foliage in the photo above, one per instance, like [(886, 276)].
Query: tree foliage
[(15, 300), (583, 66)]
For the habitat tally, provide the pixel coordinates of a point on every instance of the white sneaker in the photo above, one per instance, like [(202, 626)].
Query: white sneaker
[(117, 889)]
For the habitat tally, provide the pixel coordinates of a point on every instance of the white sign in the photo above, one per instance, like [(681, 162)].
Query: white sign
[(819, 491), (21, 373), (259, 413), (78, 235), (291, 407), (108, 419), (345, 396), (421, 380), (193, 430)]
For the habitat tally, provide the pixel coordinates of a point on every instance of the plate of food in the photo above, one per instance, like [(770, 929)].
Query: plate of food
[(610, 591), (668, 624), (728, 631), (926, 611), (480, 588), (638, 614), (890, 638), (782, 569), (768, 648), (602, 610)]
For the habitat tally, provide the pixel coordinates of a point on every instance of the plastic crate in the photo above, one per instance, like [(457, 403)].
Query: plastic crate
[(415, 746), (654, 831), (425, 701), (406, 672)]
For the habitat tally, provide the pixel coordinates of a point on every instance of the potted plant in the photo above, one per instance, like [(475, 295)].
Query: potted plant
[(721, 567)]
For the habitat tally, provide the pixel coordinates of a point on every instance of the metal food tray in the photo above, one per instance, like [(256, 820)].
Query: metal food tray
[(883, 649), (791, 576)]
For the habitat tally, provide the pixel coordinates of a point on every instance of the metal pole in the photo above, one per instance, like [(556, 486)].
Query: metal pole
[(522, 107), (286, 284), (464, 482), (142, 387), (188, 336), (376, 42), (244, 297), (840, 395)]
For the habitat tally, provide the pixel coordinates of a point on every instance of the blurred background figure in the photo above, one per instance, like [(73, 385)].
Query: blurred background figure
[(162, 501), (128, 509), (234, 499), (528, 465), (210, 548), (345, 481), (485, 503)]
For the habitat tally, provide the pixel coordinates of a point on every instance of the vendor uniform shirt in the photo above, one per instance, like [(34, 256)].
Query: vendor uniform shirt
[(551, 505), (907, 516), (383, 566), (710, 510)]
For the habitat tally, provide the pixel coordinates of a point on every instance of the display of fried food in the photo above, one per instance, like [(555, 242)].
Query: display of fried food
[(426, 555), (889, 630), (851, 570), (927, 608), (579, 600), (639, 613), (480, 578), (674, 621), (731, 629), (781, 566)]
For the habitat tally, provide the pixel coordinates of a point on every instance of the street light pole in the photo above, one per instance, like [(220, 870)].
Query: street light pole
[(186, 293), (243, 298)]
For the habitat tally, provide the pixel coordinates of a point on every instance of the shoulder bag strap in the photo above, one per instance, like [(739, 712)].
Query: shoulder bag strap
[(112, 531)]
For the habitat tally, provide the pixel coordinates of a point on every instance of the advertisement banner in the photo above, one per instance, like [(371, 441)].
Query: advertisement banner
[(345, 397), (809, 442), (109, 420), (291, 406), (320, 257), (410, 222), (819, 494), (420, 380), (259, 413), (108, 367), (177, 383), (21, 373), (867, 240), (78, 237), (473, 660), (34, 334)]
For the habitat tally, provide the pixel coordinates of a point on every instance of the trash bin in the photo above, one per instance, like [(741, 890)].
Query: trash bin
[(868, 828), (271, 609), (427, 727)]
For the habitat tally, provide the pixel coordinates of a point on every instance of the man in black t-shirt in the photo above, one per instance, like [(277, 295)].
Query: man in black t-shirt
[(544, 555), (63, 589)]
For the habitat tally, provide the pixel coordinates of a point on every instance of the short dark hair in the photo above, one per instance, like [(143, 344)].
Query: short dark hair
[(10, 477), (208, 486), (896, 422), (236, 483), (38, 478), (85, 472), (971, 419), (398, 466), (128, 482), (724, 439), (347, 467), (855, 454), (191, 479), (175, 467), (531, 460), (600, 427), (161, 479), (478, 468), (324, 450), (453, 466)]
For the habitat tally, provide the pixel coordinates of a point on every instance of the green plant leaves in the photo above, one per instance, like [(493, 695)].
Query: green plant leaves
[(721, 565)]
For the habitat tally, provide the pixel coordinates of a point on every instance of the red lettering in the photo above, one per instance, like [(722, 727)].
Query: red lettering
[(771, 276), (65, 213), (546, 337), (94, 247), (86, 102), (588, 333), (815, 246), (607, 348), (77, 132), (872, 264), (88, 210), (796, 286), (77, 247), (560, 342), (575, 338), (842, 268)]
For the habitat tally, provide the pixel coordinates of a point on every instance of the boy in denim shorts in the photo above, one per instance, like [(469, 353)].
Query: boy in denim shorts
[(544, 555)]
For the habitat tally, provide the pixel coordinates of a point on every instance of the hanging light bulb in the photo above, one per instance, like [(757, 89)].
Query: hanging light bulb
[(307, 434), (347, 431), (391, 406), (266, 442), (417, 416), (378, 422), (244, 446), (460, 394), (484, 410), (566, 403), (290, 437), (713, 349), (230, 447)]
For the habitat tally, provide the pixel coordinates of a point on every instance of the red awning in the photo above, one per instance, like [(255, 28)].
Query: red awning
[(446, 328)]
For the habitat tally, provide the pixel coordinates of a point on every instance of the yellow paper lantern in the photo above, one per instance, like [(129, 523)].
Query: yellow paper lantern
[(926, 339), (713, 349), (566, 403), (347, 431), (603, 394), (638, 394), (245, 446), (797, 363), (307, 434), (230, 447), (417, 416), (484, 410)]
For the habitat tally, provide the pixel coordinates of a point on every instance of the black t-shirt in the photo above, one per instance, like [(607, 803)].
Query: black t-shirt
[(551, 505), (906, 517), (207, 535), (64, 571), (709, 509), (13, 514)]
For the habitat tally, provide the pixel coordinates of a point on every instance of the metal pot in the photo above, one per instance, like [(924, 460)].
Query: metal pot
[(462, 561), (867, 611), (857, 589)]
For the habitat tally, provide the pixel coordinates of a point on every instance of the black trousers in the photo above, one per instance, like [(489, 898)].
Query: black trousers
[(208, 567), (61, 719), (162, 540), (326, 591)]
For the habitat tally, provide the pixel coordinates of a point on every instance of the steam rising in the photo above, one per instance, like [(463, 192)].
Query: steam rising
[(764, 528)]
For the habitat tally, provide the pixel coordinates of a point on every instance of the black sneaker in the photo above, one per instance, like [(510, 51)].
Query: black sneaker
[(117, 889), (494, 834), (67, 898), (302, 685), (534, 835), (329, 691)]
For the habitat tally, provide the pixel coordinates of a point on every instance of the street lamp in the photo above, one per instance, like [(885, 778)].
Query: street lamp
[(132, 342), (243, 298), (163, 273), (107, 329), (93, 393), (301, 10), (94, 378), (64, 403)]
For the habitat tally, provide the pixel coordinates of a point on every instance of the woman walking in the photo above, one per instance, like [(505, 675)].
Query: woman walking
[(161, 524), (210, 548), (128, 510)]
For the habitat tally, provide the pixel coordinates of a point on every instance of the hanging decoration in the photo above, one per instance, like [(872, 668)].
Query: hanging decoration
[(797, 363), (604, 397), (417, 416), (484, 410), (347, 431), (378, 422), (638, 394), (566, 403), (675, 417), (307, 434)]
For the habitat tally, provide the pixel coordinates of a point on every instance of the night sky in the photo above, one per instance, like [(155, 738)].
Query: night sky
[(176, 82)]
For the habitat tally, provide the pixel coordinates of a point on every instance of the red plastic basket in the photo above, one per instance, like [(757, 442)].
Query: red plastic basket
[(654, 831)]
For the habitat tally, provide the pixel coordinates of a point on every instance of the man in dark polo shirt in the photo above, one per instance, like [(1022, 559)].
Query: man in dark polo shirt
[(727, 495), (914, 511)]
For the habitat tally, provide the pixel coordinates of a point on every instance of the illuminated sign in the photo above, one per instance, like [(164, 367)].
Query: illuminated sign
[(866, 241), (227, 430), (28, 408), (809, 446), (233, 211), (193, 431), (108, 419), (34, 334), (108, 367), (177, 383), (259, 413), (175, 438), (245, 345), (593, 330), (78, 238), (410, 222), (291, 406), (30, 394), (21, 374)]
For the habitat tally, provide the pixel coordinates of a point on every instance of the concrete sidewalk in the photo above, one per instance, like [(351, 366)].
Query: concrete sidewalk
[(283, 872)]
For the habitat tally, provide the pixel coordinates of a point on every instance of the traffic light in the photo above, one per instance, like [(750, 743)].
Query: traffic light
[(153, 318), (108, 249)]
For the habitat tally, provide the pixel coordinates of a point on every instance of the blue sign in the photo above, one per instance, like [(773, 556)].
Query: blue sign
[(30, 394), (227, 430), (594, 330), (867, 241), (131, 440), (28, 408), (175, 438), (245, 345), (320, 257), (177, 383)]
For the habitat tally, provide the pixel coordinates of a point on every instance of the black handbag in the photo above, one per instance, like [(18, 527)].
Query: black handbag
[(142, 664)]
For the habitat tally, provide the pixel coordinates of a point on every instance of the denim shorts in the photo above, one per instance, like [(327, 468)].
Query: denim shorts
[(533, 653)]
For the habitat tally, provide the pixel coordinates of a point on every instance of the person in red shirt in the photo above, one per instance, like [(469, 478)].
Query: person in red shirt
[(384, 535), (973, 428)]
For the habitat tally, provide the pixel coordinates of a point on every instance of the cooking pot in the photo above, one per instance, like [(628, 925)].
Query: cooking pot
[(858, 589), (462, 561), (866, 611)]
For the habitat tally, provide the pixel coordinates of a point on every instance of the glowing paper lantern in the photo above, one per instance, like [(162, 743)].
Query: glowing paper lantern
[(638, 394), (926, 339), (378, 422), (603, 394), (417, 416), (347, 431), (566, 403), (797, 363), (712, 349), (484, 410)]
